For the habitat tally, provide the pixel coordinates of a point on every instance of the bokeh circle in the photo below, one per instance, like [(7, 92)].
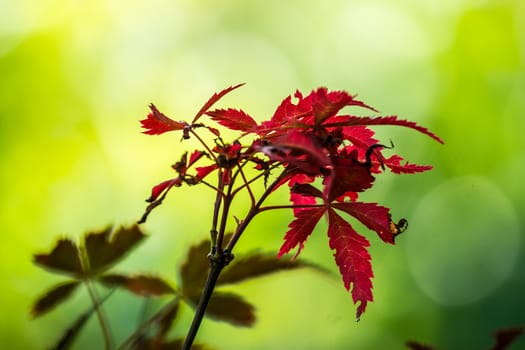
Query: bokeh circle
[(464, 240)]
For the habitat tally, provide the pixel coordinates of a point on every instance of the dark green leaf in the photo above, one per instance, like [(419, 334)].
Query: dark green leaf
[(158, 341), (69, 336), (505, 337), (143, 285), (64, 258), (194, 271), (53, 297), (160, 318), (230, 308), (414, 345), (166, 321), (258, 265), (105, 249)]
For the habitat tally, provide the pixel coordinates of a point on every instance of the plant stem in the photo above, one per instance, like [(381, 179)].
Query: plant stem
[(251, 214), (222, 257), (216, 266), (104, 325)]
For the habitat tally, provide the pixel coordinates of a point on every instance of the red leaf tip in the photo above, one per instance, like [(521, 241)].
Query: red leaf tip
[(157, 123)]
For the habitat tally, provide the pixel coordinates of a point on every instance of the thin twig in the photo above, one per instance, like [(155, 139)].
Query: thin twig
[(104, 325), (139, 332)]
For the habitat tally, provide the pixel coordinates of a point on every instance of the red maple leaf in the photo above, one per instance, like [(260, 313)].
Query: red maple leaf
[(351, 255), (297, 149), (212, 100), (157, 123), (300, 229), (234, 119), (347, 176), (327, 104), (353, 259), (373, 216), (394, 163), (389, 120)]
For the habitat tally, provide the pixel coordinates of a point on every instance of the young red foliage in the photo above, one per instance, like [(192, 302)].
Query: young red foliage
[(306, 139), (394, 163), (353, 259), (234, 119), (212, 100), (373, 216), (300, 229), (390, 120), (157, 123)]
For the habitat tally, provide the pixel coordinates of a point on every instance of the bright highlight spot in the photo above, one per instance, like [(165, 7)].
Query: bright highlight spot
[(463, 241)]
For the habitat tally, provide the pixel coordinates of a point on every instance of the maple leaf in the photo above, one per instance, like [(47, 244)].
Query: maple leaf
[(373, 216), (394, 163), (64, 258), (163, 187), (158, 123), (389, 120), (53, 297), (300, 229), (106, 247), (202, 172), (144, 285), (353, 259), (297, 149), (213, 99), (351, 253), (326, 104), (360, 136), (347, 175), (299, 199), (285, 111), (234, 119)]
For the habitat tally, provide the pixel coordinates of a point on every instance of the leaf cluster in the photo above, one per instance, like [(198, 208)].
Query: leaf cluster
[(99, 251), (305, 139)]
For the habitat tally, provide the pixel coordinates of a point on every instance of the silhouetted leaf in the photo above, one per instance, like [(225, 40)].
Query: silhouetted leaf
[(53, 297), (195, 269), (64, 258), (105, 249), (230, 308), (160, 319), (69, 336), (139, 284), (505, 337), (418, 346), (258, 265), (166, 320)]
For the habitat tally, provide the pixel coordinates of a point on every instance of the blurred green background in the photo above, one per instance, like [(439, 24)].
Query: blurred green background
[(76, 76)]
